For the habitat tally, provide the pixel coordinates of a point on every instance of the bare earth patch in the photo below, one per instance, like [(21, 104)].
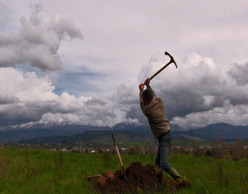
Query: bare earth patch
[(138, 178)]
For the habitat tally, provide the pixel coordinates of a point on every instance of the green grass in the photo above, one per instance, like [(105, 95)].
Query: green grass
[(41, 171)]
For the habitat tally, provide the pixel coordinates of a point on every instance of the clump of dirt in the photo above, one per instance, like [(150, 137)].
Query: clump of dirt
[(138, 178)]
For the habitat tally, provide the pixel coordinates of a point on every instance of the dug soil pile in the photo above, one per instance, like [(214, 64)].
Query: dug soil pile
[(138, 178)]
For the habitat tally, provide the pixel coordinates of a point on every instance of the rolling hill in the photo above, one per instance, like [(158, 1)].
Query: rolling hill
[(125, 133)]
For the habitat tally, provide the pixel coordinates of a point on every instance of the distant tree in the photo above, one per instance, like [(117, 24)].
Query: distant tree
[(63, 141), (220, 149), (238, 151)]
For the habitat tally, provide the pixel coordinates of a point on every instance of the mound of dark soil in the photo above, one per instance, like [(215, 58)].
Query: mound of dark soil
[(138, 178)]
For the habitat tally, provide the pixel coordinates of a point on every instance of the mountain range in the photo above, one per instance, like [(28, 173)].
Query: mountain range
[(124, 132)]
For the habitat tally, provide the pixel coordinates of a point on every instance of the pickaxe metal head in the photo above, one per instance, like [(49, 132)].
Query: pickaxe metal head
[(171, 58)]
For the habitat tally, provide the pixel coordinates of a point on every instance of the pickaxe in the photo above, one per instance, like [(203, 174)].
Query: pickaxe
[(171, 61)]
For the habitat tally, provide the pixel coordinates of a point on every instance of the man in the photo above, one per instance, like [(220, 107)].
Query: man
[(154, 110)]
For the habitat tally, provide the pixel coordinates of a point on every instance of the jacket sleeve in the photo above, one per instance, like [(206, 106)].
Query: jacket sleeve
[(141, 100), (142, 105), (152, 91)]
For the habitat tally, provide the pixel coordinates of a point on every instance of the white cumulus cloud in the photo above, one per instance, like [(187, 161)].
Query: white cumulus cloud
[(37, 42), (26, 97)]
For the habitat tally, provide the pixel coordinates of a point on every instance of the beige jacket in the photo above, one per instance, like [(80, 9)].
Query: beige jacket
[(155, 112)]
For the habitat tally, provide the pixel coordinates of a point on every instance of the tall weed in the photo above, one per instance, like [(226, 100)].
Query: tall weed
[(107, 159), (222, 175), (4, 162), (243, 183), (58, 160)]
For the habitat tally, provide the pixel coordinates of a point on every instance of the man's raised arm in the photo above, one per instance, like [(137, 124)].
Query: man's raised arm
[(141, 87)]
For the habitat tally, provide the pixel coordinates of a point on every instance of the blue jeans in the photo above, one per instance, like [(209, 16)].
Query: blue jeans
[(164, 144)]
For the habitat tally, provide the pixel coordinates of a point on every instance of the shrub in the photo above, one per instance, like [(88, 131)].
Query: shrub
[(238, 151)]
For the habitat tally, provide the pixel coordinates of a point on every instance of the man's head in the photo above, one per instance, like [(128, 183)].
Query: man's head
[(147, 96)]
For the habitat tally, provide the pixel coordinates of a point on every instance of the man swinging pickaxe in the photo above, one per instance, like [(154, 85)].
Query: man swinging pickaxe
[(153, 108)]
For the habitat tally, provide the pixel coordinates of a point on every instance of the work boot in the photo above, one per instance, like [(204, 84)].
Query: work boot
[(174, 174)]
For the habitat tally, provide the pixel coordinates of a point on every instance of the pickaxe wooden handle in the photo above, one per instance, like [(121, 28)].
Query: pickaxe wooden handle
[(171, 61), (118, 153)]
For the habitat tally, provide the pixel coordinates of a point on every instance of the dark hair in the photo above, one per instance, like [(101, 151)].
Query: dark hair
[(148, 94)]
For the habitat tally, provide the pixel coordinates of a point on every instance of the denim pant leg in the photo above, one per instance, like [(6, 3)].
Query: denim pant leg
[(164, 143), (157, 160)]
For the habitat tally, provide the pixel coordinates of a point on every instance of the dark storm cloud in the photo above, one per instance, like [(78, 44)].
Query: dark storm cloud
[(197, 94), (135, 113), (239, 73), (199, 90), (5, 99), (24, 112)]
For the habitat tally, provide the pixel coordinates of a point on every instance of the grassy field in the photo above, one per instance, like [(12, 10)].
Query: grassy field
[(41, 171)]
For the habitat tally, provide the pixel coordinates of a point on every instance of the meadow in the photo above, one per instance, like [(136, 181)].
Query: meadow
[(43, 171)]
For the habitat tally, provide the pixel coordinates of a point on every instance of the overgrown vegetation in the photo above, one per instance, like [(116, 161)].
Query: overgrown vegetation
[(41, 171)]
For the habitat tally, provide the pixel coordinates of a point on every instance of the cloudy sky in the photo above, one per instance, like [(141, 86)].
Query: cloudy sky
[(81, 61)]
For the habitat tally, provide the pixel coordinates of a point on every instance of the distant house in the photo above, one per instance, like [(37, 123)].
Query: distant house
[(64, 150)]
